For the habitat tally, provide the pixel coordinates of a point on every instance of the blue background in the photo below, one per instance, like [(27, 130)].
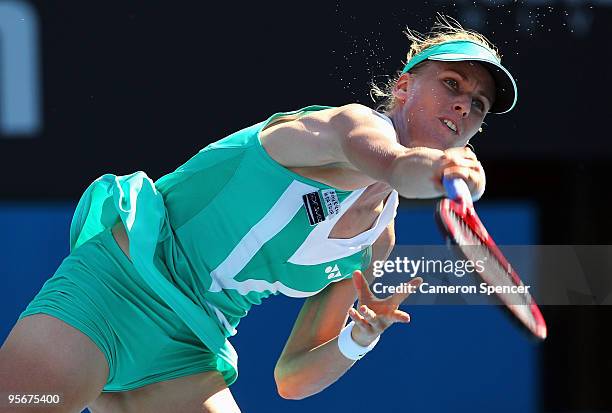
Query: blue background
[(449, 358)]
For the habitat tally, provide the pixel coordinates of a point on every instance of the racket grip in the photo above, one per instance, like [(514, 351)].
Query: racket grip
[(457, 189)]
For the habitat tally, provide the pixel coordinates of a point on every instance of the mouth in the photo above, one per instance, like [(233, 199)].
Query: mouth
[(450, 125)]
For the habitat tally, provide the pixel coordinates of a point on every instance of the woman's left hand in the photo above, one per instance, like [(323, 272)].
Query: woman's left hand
[(374, 315)]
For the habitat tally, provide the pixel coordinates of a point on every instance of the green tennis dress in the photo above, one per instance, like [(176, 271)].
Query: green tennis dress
[(225, 230)]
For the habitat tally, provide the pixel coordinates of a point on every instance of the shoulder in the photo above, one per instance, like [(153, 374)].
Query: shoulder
[(338, 121), (359, 115), (356, 119), (317, 138)]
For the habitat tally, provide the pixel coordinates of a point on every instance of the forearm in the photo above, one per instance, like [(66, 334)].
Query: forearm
[(312, 360), (307, 373)]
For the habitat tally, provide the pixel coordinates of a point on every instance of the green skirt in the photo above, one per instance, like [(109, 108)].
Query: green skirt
[(97, 291)]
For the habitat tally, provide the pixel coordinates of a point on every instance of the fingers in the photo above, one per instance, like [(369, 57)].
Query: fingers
[(371, 322), (370, 316), (361, 285), (401, 317), (460, 163), (470, 170), (473, 177), (361, 321), (463, 152), (469, 175), (396, 299), (357, 283), (374, 315), (459, 157)]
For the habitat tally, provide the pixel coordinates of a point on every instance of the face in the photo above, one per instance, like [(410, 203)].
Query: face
[(442, 105)]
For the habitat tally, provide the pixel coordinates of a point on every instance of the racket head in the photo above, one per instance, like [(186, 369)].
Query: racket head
[(460, 224)]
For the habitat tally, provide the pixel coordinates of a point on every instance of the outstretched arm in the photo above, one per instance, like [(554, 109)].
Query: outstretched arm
[(353, 137), (311, 359)]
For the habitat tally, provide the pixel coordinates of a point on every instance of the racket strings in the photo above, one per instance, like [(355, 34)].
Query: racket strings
[(465, 236), (496, 273), (475, 244)]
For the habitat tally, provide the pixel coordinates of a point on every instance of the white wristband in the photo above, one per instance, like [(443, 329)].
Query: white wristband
[(348, 347)]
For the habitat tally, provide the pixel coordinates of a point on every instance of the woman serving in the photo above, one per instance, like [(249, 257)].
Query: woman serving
[(138, 316)]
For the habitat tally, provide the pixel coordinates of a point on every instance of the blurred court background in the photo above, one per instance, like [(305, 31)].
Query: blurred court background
[(88, 88)]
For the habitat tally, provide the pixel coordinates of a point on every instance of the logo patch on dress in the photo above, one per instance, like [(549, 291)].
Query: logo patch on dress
[(314, 208), (321, 205), (331, 201)]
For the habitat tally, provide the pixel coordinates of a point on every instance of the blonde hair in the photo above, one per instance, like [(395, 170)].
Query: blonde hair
[(444, 29)]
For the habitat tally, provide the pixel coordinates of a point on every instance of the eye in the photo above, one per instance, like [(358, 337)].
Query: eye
[(479, 104), (452, 83)]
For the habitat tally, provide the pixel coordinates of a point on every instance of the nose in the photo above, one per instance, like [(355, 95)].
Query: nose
[(462, 106)]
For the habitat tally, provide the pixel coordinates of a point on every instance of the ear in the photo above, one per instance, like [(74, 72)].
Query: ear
[(403, 86)]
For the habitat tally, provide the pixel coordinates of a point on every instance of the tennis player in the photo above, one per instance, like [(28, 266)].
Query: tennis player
[(138, 316)]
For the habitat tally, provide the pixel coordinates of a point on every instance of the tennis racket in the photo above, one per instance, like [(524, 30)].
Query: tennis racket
[(459, 222)]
